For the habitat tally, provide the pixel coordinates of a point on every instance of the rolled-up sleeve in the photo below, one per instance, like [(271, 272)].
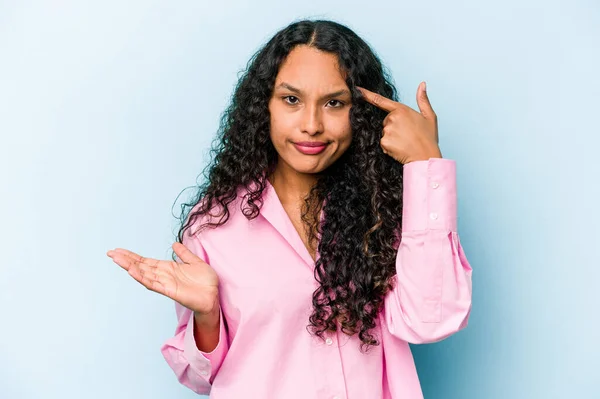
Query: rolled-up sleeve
[(194, 369), (431, 298)]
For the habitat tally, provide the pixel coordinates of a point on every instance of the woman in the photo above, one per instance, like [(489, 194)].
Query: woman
[(324, 239)]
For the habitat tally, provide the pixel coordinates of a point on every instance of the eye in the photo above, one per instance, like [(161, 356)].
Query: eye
[(338, 102), (293, 98)]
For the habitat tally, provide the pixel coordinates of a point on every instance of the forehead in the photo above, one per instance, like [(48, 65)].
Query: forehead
[(307, 67)]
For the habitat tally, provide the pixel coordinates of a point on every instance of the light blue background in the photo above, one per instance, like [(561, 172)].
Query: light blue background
[(107, 109)]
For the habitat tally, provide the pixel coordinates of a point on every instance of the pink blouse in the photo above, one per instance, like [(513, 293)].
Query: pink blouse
[(266, 285)]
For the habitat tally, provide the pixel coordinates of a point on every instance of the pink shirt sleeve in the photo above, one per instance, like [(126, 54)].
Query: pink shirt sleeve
[(194, 369), (432, 295)]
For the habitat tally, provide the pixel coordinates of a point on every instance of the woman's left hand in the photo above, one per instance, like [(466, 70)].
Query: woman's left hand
[(407, 134)]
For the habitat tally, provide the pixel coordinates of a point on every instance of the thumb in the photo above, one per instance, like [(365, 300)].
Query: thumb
[(423, 101), (184, 253)]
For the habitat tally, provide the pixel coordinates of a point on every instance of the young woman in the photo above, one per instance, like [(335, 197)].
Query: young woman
[(324, 239)]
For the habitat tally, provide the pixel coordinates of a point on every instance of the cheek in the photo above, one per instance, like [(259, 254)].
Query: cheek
[(278, 130), (279, 124), (345, 142), (343, 132)]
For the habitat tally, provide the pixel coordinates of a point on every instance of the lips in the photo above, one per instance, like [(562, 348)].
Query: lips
[(312, 143), (310, 147)]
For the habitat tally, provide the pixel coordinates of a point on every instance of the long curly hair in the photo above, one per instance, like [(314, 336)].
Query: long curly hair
[(360, 195)]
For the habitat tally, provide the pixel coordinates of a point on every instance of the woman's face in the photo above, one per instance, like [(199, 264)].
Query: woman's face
[(310, 111)]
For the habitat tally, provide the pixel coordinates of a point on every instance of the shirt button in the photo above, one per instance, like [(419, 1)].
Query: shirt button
[(204, 372), (435, 185), (433, 215), (336, 397), (329, 341)]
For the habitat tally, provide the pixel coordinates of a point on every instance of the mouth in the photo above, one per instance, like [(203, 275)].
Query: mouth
[(311, 148)]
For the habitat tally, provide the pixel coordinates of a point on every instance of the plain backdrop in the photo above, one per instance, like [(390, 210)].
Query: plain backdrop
[(107, 109)]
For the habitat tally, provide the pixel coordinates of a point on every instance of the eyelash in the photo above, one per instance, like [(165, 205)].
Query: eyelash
[(286, 97)]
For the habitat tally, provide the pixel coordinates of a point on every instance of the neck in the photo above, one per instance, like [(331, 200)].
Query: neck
[(290, 185)]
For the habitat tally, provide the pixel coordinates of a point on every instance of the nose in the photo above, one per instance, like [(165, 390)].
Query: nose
[(312, 122)]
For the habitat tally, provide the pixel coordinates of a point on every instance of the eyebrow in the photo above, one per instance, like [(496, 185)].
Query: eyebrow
[(291, 88)]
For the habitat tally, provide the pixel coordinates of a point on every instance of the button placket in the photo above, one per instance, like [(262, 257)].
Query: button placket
[(327, 371)]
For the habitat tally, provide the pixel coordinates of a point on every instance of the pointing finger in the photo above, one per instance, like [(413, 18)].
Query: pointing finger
[(379, 101)]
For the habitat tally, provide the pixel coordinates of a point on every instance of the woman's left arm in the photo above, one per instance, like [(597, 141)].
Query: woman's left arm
[(431, 299)]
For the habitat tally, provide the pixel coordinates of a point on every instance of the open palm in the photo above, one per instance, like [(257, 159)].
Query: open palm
[(192, 283)]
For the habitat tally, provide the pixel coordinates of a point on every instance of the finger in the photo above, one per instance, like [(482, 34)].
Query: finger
[(379, 101), (151, 272), (150, 280), (130, 254), (149, 276), (145, 268), (122, 260), (184, 253), (138, 258), (155, 272), (423, 101)]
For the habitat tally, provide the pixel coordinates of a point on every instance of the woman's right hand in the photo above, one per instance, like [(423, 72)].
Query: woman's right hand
[(193, 283)]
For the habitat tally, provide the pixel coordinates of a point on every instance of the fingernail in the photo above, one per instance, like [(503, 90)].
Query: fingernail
[(424, 86)]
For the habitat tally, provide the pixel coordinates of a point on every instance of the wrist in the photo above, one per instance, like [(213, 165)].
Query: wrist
[(434, 154), (210, 318), (207, 320)]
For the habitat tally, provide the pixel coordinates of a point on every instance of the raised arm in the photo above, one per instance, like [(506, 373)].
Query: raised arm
[(432, 296)]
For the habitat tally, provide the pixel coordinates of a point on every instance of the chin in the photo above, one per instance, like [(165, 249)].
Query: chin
[(309, 170), (308, 167)]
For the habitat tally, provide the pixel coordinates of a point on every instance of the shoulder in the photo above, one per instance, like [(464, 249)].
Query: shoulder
[(217, 217)]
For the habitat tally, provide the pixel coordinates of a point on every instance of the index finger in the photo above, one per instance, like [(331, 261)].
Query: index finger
[(379, 101)]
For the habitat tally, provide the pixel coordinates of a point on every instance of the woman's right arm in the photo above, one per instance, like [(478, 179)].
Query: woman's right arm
[(206, 330), (197, 349), (200, 343)]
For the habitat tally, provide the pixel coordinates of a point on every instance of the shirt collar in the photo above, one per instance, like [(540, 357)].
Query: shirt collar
[(273, 211)]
